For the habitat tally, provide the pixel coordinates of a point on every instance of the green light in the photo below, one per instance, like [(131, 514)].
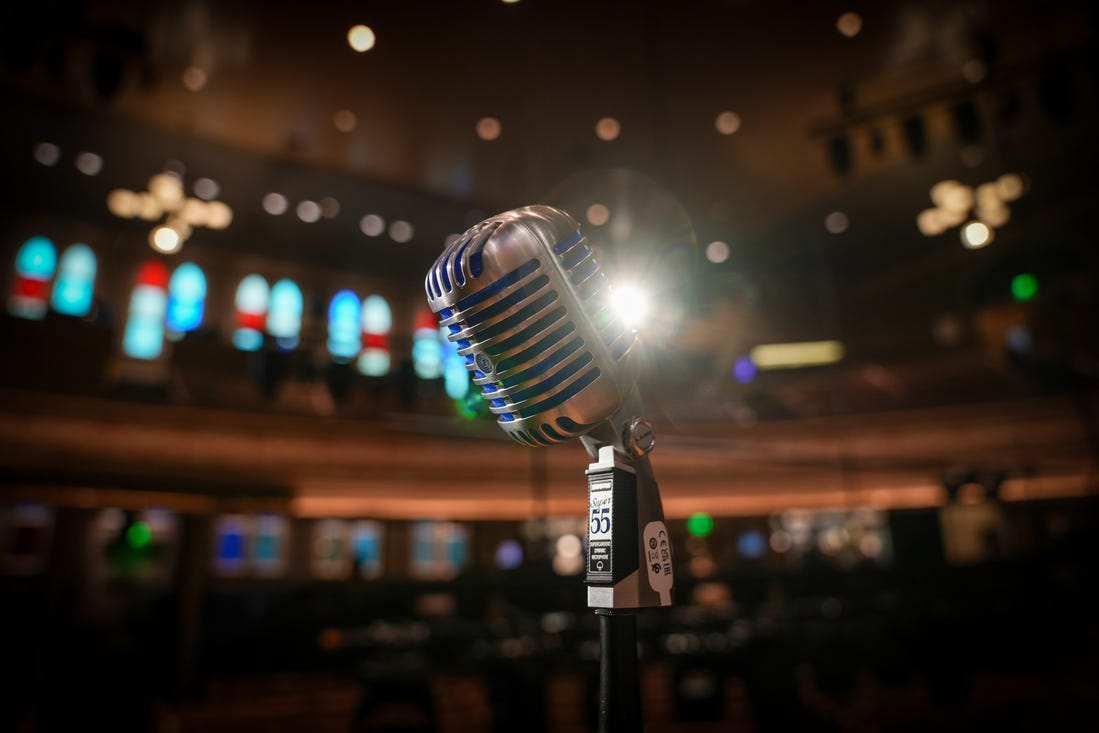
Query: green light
[(700, 524), (1024, 287), (472, 406), (139, 535)]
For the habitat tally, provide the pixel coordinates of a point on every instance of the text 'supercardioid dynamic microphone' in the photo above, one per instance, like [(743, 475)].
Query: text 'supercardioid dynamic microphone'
[(525, 301)]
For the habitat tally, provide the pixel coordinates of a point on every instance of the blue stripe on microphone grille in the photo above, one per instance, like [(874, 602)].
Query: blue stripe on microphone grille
[(438, 280)]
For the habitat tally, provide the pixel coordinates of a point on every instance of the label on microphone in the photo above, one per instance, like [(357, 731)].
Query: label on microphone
[(600, 527), (658, 559)]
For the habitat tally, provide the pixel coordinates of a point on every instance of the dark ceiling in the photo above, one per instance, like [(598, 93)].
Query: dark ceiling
[(861, 125)]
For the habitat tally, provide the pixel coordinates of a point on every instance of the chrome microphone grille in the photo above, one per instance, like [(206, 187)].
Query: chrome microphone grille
[(527, 305)]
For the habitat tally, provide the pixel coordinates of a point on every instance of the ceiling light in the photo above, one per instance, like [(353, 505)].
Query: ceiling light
[(598, 215), (194, 78), (165, 239), (218, 215), (727, 123), (400, 231), (330, 207), (1010, 186), (995, 216), (974, 71), (976, 234), (275, 204), (206, 188), (345, 120), (89, 163), (931, 223), (489, 128), (607, 129), (952, 196), (836, 222), (47, 153), (123, 203), (167, 188), (849, 24), (372, 225), (360, 38), (308, 211), (717, 252)]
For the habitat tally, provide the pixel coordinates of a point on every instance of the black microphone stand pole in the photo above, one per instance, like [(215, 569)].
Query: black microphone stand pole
[(619, 676)]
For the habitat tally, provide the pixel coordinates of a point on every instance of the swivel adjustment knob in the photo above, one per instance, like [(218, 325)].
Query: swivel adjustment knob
[(638, 437)]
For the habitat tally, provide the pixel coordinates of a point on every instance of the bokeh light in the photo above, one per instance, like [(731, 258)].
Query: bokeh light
[(194, 78), (330, 207), (206, 189), (744, 370), (89, 164), (976, 234), (1024, 287), (275, 204), (607, 129), (308, 211), (727, 122), (700, 524), (361, 38), (849, 24), (372, 225), (717, 252), (489, 128), (598, 215), (165, 239), (401, 231), (47, 154), (836, 222), (345, 120)]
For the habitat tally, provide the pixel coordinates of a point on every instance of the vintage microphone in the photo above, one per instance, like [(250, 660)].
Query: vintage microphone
[(524, 299)]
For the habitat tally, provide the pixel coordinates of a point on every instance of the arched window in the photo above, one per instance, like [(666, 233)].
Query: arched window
[(376, 322), (427, 349), (440, 550), (366, 548), (344, 319), (186, 299), (144, 334), (75, 283), (251, 300), (35, 263), (269, 544), (284, 314), (231, 534)]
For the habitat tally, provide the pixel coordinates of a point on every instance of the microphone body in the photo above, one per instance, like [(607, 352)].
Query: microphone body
[(528, 306)]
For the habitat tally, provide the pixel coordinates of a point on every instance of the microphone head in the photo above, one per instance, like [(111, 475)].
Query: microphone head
[(528, 306)]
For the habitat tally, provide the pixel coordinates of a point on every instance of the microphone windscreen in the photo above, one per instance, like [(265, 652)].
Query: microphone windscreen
[(528, 306)]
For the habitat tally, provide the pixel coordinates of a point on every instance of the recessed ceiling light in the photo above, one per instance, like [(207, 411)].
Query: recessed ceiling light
[(275, 204), (849, 24), (727, 123), (361, 38), (47, 153), (607, 129), (489, 128), (89, 163)]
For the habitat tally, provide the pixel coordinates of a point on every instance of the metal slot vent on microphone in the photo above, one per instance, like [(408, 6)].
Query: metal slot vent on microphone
[(526, 303)]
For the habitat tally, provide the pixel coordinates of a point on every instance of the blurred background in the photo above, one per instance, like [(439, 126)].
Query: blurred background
[(246, 485)]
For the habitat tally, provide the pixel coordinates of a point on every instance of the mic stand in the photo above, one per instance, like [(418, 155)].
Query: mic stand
[(629, 564)]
